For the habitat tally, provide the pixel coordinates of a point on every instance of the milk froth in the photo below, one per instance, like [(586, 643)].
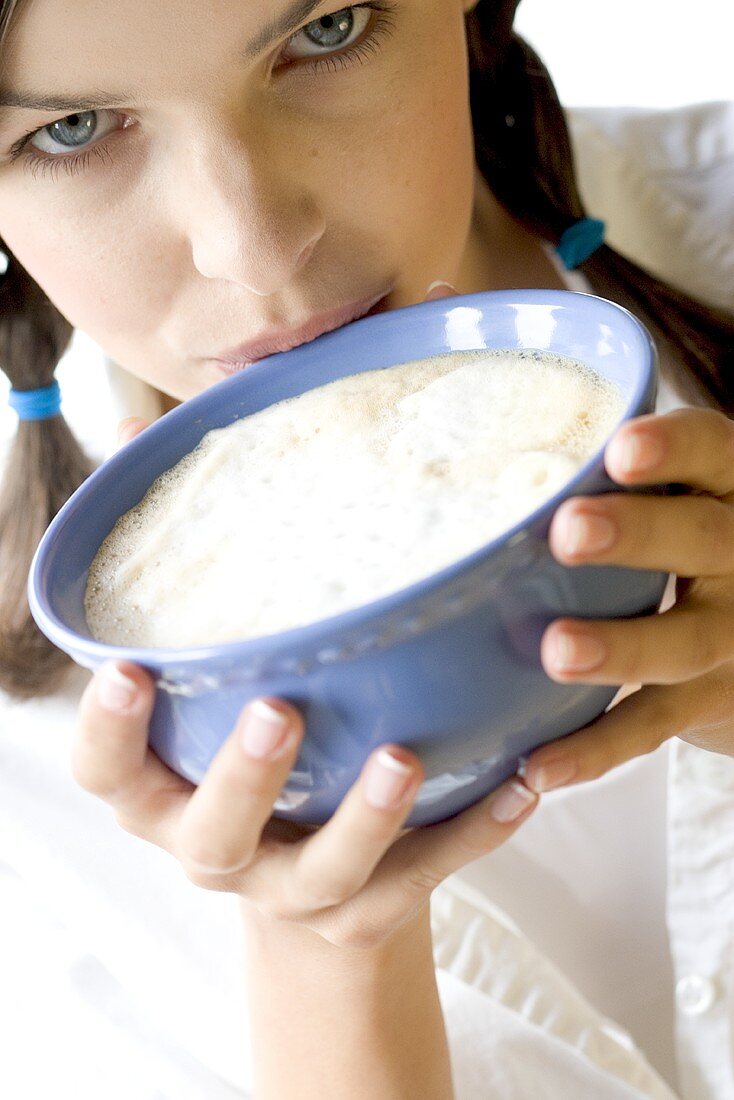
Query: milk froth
[(346, 493)]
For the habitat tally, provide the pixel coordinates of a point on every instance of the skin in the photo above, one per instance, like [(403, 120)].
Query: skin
[(221, 209), (224, 211)]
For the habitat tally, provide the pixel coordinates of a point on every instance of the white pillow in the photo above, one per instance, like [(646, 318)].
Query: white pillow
[(663, 181)]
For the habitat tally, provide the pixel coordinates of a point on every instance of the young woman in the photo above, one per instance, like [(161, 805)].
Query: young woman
[(175, 182)]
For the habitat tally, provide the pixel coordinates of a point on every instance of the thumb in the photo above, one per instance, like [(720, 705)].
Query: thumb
[(130, 427), (439, 289)]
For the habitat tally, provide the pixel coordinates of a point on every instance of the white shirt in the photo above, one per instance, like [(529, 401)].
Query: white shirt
[(611, 911), (650, 846)]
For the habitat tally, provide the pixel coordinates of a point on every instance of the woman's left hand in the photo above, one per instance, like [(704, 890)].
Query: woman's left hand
[(682, 660)]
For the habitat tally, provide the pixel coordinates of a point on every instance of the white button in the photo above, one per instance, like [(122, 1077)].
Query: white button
[(695, 994)]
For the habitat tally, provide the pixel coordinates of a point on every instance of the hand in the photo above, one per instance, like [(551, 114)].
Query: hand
[(354, 880), (680, 661)]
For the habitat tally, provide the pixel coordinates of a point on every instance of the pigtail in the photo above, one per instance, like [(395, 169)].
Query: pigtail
[(44, 466), (524, 151)]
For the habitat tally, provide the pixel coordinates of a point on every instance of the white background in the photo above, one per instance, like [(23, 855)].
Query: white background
[(639, 53)]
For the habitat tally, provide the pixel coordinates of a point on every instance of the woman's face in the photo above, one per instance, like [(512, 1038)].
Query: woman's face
[(226, 183)]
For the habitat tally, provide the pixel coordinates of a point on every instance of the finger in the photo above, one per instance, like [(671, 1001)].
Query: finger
[(332, 864), (220, 825), (440, 289), (110, 755), (693, 447), (421, 859), (636, 726), (129, 428), (691, 536), (109, 750), (687, 641)]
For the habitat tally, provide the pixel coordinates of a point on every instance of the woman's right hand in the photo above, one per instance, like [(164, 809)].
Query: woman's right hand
[(354, 880)]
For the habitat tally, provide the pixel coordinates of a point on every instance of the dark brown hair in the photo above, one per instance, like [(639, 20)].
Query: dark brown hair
[(523, 149), (43, 467)]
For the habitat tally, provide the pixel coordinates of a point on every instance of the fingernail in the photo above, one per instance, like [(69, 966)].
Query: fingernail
[(264, 729), (587, 533), (441, 283), (576, 652), (510, 801), (123, 425), (115, 690), (552, 775), (637, 452), (387, 781)]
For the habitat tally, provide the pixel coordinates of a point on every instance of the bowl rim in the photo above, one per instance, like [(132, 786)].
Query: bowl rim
[(318, 631)]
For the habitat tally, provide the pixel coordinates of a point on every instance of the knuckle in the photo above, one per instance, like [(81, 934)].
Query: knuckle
[(209, 855), (663, 722), (716, 528), (203, 878), (721, 700), (629, 657), (420, 881), (323, 895), (131, 824), (196, 876), (209, 859), (475, 842), (277, 907), (725, 430), (90, 777), (306, 891), (624, 512), (704, 651)]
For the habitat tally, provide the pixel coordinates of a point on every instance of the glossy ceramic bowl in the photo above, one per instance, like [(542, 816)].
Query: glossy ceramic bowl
[(450, 665)]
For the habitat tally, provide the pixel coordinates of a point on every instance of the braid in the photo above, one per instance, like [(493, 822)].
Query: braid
[(44, 466), (523, 149)]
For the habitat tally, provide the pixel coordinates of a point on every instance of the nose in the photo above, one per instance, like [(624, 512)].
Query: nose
[(249, 221)]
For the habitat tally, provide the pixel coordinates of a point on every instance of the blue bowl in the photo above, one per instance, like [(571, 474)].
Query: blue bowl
[(449, 666)]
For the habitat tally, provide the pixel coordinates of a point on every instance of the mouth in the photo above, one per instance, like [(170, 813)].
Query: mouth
[(237, 359)]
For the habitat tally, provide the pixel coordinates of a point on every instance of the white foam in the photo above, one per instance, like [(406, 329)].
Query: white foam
[(351, 491)]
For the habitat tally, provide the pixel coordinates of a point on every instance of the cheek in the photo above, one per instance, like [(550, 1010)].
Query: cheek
[(413, 171), (90, 273)]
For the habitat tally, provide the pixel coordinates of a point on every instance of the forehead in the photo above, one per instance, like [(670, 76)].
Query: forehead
[(55, 44)]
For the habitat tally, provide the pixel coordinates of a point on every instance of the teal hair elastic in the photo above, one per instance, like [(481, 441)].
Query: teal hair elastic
[(580, 241), (36, 404)]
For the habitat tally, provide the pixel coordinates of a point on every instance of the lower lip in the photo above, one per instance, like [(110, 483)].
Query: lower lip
[(379, 307)]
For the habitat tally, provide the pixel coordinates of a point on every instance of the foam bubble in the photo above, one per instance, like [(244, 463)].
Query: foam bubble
[(349, 492)]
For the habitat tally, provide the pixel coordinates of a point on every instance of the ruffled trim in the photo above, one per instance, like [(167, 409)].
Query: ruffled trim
[(478, 944)]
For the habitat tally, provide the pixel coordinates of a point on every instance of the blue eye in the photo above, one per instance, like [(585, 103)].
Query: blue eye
[(80, 128), (332, 31), (335, 41), (328, 30), (72, 133)]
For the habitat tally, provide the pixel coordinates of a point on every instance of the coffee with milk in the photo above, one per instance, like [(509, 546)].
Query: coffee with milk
[(346, 493)]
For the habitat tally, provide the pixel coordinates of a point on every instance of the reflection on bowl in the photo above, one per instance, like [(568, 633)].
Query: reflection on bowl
[(448, 666)]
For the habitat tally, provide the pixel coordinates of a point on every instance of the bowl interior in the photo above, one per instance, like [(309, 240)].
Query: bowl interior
[(600, 334)]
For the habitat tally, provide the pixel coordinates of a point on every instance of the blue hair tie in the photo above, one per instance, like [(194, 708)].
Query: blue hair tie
[(580, 241), (37, 404)]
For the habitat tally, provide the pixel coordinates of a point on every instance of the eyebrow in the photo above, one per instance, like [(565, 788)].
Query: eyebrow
[(38, 101), (287, 21), (277, 28)]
